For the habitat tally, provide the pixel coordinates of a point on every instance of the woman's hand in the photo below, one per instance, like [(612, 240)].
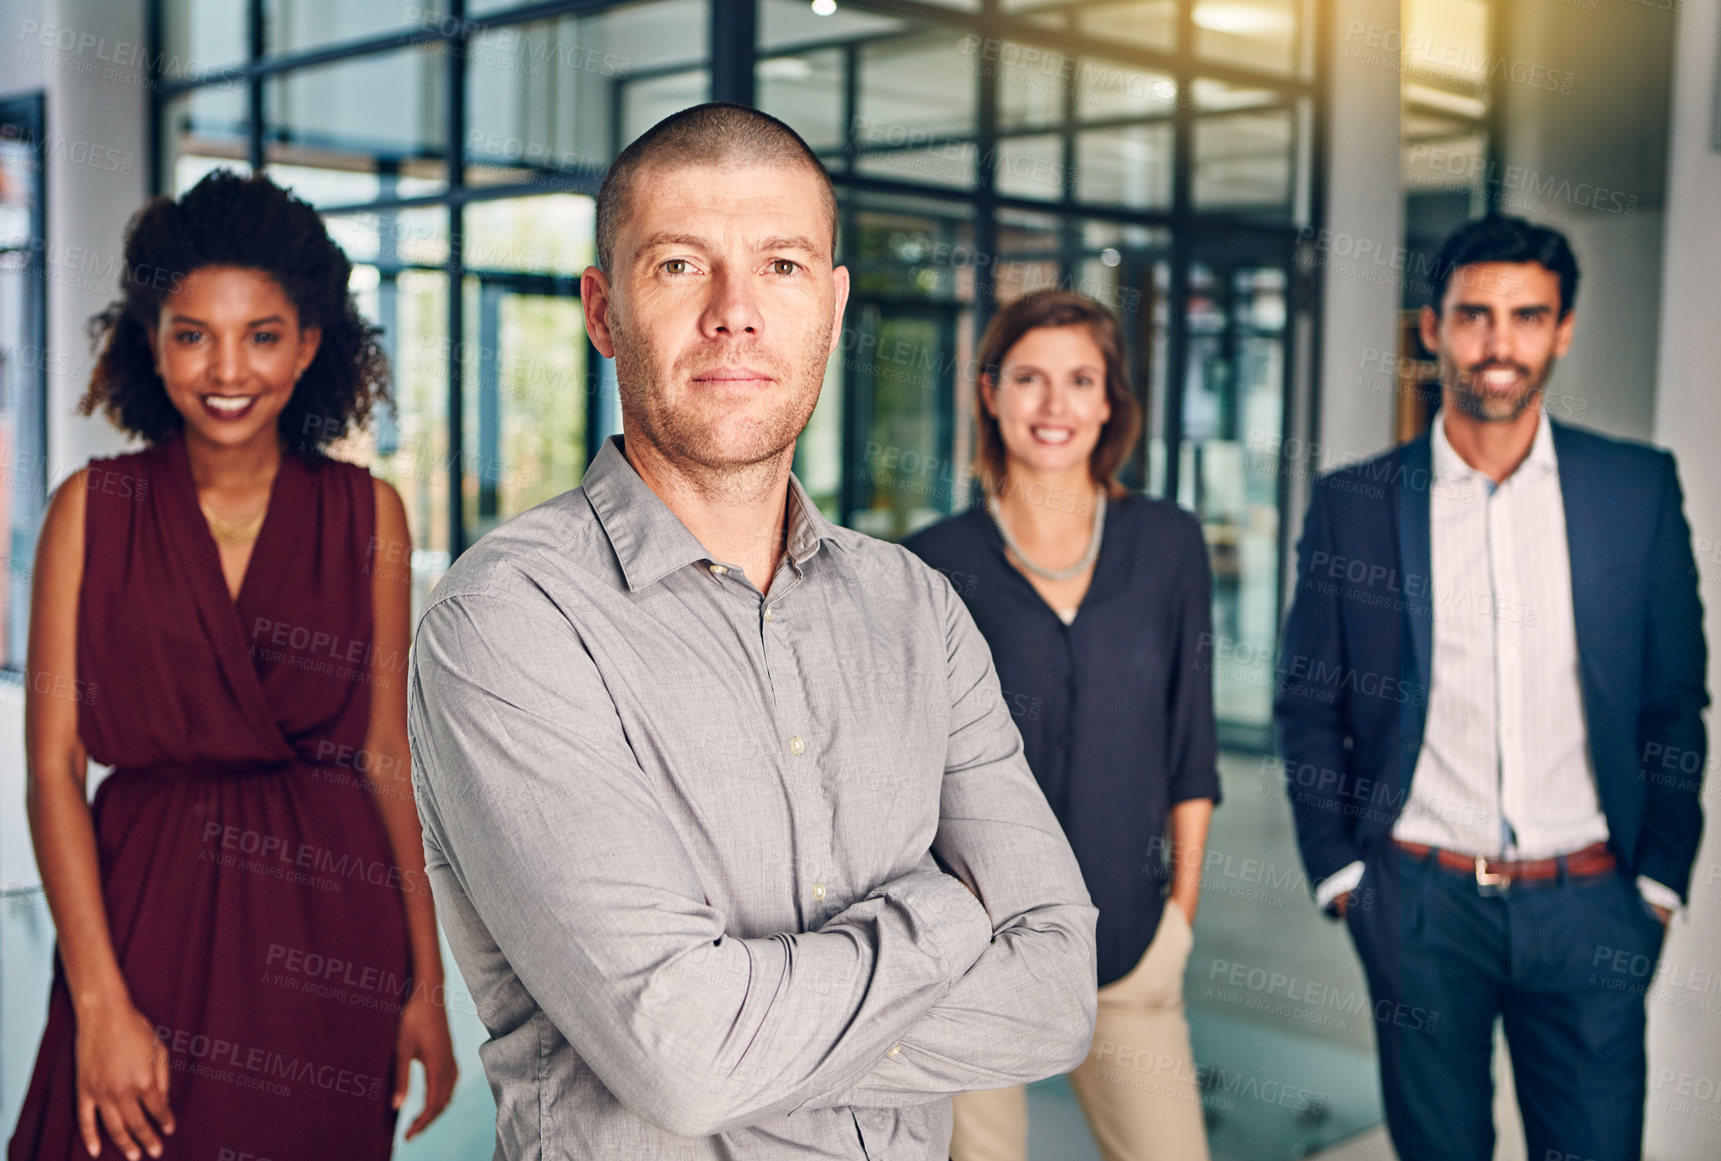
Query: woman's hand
[(122, 1076), (423, 1037)]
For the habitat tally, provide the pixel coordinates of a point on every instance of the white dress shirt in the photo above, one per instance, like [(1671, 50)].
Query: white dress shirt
[(1505, 768)]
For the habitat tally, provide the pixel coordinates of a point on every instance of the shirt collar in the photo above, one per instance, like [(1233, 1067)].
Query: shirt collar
[(1449, 465), (650, 541)]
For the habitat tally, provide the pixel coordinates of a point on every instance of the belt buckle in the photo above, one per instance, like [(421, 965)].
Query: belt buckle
[(1490, 882)]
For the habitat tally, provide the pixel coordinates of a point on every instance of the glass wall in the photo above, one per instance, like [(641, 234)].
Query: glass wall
[(24, 363), (1155, 154)]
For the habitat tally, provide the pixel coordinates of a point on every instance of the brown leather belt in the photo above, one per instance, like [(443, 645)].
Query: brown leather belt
[(1498, 874)]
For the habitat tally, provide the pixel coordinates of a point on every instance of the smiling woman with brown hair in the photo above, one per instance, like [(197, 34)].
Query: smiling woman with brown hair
[(1095, 601), (247, 952)]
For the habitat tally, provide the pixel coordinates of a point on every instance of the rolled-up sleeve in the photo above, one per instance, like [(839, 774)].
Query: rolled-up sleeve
[(1025, 1010), (540, 816), (1193, 747)]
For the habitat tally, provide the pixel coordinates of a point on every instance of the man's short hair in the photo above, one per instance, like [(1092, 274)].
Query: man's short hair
[(1502, 238), (715, 133)]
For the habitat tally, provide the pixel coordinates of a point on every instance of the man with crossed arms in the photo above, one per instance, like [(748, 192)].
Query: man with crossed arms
[(729, 825)]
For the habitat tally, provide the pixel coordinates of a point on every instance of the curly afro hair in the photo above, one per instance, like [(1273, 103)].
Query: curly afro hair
[(252, 223)]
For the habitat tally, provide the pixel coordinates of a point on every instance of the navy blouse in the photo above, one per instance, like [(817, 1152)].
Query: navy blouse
[(1115, 708)]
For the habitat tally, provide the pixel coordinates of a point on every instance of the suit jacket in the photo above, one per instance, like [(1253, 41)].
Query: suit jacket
[(1352, 693)]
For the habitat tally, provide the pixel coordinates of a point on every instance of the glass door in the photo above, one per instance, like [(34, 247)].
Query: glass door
[(525, 400), (24, 363), (1230, 423), (900, 395)]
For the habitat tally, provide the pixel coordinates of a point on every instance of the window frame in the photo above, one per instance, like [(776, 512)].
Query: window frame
[(732, 60)]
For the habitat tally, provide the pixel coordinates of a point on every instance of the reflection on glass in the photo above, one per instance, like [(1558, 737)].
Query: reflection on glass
[(202, 130), (904, 368), (787, 23), (542, 96), (1441, 153), (297, 25), (1125, 268), (325, 187), (1031, 167), (910, 248), (1155, 364), (1107, 90), (1126, 167), (649, 100), (1105, 278), (1228, 471), (1029, 253), (900, 401), (1245, 160), (949, 164), (1149, 23), (819, 451), (1445, 43), (408, 445), (1032, 86), (1213, 96), (639, 36), (24, 365), (397, 147), (653, 35), (201, 36), (391, 239), (916, 116), (538, 100), (550, 234), (805, 91), (525, 423), (1258, 34)]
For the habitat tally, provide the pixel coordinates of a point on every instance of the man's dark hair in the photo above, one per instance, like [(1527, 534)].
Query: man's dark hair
[(1501, 238), (715, 133)]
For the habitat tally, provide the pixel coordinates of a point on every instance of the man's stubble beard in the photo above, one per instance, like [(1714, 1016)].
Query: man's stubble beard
[(1479, 405), (687, 438)]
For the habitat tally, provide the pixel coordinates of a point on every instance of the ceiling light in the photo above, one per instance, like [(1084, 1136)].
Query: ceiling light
[(1242, 19)]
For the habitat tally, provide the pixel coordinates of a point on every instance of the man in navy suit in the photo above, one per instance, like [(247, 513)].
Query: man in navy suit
[(1496, 644)]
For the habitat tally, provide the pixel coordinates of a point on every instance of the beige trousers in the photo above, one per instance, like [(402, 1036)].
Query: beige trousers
[(1137, 1087)]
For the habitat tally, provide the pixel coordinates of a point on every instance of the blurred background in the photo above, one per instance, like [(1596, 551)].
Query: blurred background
[(1255, 186)]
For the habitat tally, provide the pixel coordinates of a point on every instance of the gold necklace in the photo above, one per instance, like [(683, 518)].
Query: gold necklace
[(229, 532)]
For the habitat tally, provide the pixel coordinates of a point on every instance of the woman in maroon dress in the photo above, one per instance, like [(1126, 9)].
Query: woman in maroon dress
[(247, 959)]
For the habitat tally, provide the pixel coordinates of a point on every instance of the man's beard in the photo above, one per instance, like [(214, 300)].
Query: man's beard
[(690, 436), (1462, 388)]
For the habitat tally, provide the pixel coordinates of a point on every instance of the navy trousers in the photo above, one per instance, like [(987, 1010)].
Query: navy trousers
[(1564, 963)]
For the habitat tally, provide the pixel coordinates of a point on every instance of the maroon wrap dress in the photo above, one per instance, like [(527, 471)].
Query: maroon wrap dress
[(255, 905)]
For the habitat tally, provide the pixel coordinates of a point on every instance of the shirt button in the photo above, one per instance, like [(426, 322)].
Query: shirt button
[(894, 1049), (719, 570), (768, 614), (796, 745), (818, 892)]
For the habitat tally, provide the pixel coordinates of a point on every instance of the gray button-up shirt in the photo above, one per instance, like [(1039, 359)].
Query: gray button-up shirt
[(700, 853)]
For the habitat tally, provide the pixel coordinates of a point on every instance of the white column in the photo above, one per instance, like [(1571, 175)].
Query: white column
[(1684, 1044)]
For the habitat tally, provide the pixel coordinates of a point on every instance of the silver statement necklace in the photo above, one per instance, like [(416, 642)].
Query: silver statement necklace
[(1054, 574)]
